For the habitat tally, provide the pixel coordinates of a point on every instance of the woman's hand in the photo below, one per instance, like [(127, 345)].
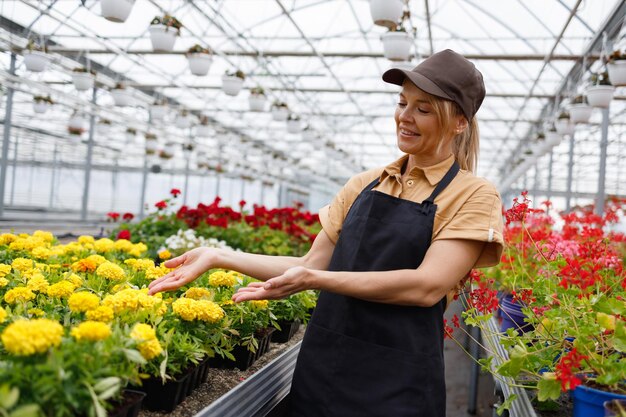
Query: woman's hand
[(294, 280), (192, 264)]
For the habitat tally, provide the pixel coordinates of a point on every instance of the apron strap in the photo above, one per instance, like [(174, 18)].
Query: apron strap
[(445, 181), (371, 185)]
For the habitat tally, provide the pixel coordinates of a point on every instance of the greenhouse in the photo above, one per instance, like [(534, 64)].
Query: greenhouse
[(283, 208)]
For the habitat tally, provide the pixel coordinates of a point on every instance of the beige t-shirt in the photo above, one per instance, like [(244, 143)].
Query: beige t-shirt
[(468, 208)]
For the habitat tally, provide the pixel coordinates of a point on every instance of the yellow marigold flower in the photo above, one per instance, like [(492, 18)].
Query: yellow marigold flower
[(3, 282), (227, 303), (184, 307), (222, 279), (27, 337), (41, 253), (72, 248), (197, 293), (29, 243), (40, 267), (57, 251), (104, 245), (120, 287), (38, 283), (75, 279), (123, 245), (139, 264), (111, 271), (150, 302), (138, 249), (46, 236), (259, 304), (84, 265), (165, 254), (3, 315), (61, 289), (22, 264), (6, 238), (102, 313), (19, 294), (143, 332), (125, 300), (98, 259), (83, 301), (157, 271), (150, 349), (91, 330), (209, 311), (85, 239), (37, 312), (4, 270)]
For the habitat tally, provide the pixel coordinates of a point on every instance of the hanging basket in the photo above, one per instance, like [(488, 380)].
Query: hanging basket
[(83, 80), (564, 127), (553, 138), (294, 126), (386, 12), (40, 107), (600, 95), (580, 113), (397, 46), (116, 10), (163, 38), (183, 121), (121, 97), (617, 72), (76, 122), (231, 85), (158, 112), (257, 102), (280, 114), (36, 61), (199, 63), (204, 131)]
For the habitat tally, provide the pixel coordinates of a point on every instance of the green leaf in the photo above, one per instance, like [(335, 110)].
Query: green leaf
[(549, 389), (106, 383), (105, 395), (506, 404), (8, 398), (134, 356), (619, 338), (28, 410)]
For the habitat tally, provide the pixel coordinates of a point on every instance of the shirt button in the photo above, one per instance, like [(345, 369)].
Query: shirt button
[(409, 183)]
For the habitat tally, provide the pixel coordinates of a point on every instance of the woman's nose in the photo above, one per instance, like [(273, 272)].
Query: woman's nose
[(405, 114)]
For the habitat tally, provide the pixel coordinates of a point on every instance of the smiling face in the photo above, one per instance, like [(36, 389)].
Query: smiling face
[(419, 129)]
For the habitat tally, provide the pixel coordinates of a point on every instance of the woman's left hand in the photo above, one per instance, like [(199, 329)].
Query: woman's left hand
[(294, 280)]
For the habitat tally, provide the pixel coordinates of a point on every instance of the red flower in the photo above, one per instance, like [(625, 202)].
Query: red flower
[(242, 203), (566, 369), (128, 216), (161, 204), (113, 216), (175, 192), (124, 234)]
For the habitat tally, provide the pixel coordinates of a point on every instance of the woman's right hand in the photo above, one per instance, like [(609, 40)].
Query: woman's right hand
[(190, 265)]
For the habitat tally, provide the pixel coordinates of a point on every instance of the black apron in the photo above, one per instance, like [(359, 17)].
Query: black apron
[(361, 358)]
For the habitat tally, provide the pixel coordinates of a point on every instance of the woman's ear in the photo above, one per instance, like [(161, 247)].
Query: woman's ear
[(461, 125)]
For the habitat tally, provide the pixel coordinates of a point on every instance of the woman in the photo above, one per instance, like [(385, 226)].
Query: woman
[(395, 241)]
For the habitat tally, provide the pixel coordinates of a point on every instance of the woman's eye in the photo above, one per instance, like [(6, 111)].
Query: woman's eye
[(423, 111), (401, 104)]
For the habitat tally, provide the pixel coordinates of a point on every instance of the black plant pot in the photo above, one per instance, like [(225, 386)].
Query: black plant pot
[(164, 397), (286, 332), (129, 405)]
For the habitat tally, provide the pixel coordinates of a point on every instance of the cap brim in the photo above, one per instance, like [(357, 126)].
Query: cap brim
[(397, 76)]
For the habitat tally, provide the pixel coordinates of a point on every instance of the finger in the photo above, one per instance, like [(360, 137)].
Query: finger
[(255, 284), (260, 294), (274, 283), (248, 289), (169, 284), (161, 279), (174, 262)]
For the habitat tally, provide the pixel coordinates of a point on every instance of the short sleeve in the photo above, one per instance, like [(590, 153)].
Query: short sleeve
[(479, 218)]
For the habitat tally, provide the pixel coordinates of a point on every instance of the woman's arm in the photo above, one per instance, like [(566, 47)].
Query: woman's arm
[(445, 264), (195, 262)]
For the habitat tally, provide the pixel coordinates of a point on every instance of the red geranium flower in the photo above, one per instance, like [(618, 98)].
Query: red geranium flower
[(124, 234), (128, 216), (161, 205), (112, 215), (175, 192)]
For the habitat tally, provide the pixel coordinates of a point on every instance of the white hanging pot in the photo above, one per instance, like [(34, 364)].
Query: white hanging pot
[(617, 72), (231, 85), (280, 114), (397, 45), (386, 12), (76, 122), (103, 128), (163, 38), (203, 131), (151, 146), (130, 136), (579, 113), (553, 138), (599, 95), (564, 126), (116, 10), (75, 139), (36, 61), (40, 107), (183, 121), (199, 63), (121, 97), (83, 80), (158, 112), (308, 135), (293, 126), (257, 102)]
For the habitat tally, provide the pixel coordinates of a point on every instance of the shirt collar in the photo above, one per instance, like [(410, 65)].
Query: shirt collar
[(433, 173)]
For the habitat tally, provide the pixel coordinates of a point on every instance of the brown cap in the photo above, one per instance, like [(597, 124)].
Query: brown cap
[(448, 75)]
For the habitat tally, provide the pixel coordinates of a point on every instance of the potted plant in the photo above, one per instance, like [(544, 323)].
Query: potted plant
[(130, 133), (121, 96), (35, 57), (163, 33), (308, 134), (151, 143), (397, 44), (293, 123), (257, 99), (116, 10), (580, 110), (158, 109), (617, 67), (386, 12), (600, 91), (552, 136), (232, 82), (183, 119), (76, 124), (103, 126), (83, 78), (199, 60), (168, 151), (280, 111), (204, 129), (188, 148), (42, 103), (563, 124)]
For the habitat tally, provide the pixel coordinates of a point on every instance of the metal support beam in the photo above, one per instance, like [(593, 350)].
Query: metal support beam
[(550, 166), (14, 168), (92, 127), (55, 155), (5, 137), (186, 181), (144, 183), (604, 143), (570, 174)]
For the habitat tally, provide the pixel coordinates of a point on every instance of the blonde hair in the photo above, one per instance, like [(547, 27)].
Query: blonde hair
[(465, 145)]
